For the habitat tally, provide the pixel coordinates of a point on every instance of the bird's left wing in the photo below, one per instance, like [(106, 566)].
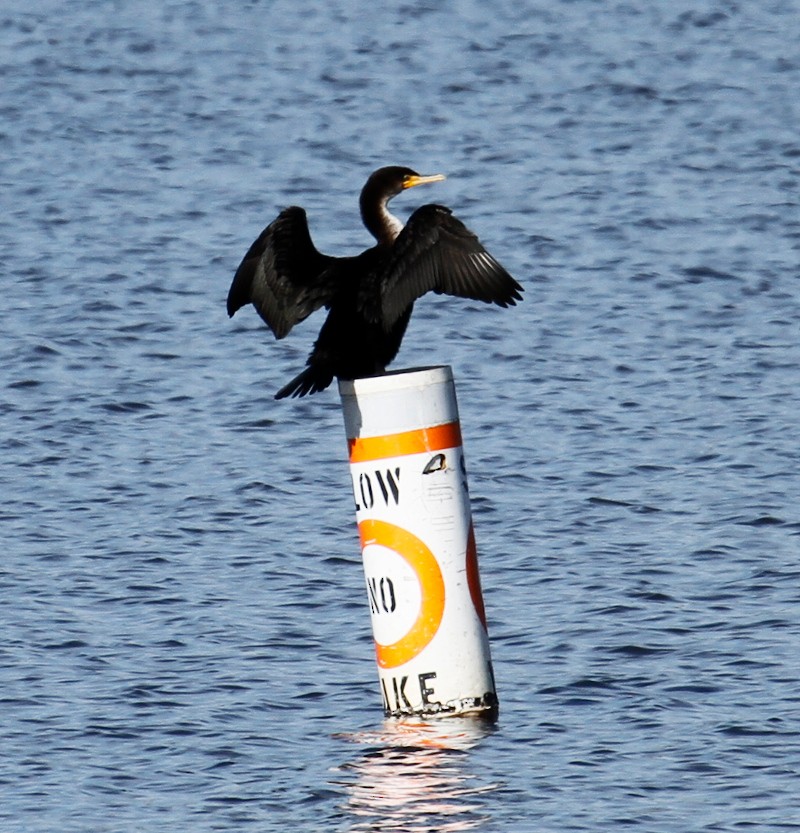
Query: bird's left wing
[(283, 275), (437, 252)]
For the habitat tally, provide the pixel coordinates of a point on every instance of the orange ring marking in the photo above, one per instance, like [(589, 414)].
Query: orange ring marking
[(474, 579), (431, 584), (435, 438)]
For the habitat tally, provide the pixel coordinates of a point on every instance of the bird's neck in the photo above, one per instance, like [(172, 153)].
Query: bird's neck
[(380, 222)]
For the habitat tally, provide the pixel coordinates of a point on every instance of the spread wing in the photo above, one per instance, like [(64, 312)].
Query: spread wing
[(283, 275), (437, 252)]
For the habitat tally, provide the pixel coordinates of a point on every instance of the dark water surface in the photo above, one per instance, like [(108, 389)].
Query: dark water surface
[(184, 631)]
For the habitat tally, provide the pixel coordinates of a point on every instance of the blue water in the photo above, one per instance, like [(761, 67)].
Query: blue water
[(184, 630)]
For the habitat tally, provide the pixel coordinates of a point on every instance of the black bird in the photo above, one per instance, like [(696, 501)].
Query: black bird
[(370, 296)]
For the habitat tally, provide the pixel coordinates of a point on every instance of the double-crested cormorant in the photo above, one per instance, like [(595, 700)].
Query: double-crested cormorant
[(370, 296)]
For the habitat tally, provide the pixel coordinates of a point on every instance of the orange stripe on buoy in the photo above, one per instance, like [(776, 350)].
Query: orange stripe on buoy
[(431, 584), (435, 438)]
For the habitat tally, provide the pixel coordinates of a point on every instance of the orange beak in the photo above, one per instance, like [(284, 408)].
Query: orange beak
[(411, 181)]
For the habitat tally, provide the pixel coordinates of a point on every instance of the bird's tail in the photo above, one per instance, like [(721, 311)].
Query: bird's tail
[(312, 380)]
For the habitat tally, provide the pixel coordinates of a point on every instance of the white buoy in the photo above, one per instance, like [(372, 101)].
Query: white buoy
[(418, 544)]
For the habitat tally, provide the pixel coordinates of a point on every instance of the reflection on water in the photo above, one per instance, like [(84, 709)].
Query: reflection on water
[(415, 776)]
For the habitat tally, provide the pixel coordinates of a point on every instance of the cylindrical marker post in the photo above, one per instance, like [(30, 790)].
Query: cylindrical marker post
[(417, 541)]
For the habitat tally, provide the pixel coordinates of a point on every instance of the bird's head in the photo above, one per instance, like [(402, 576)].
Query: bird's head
[(394, 179), (382, 186)]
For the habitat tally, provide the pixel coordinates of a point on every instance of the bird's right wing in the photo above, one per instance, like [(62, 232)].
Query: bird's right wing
[(436, 252), (283, 275)]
